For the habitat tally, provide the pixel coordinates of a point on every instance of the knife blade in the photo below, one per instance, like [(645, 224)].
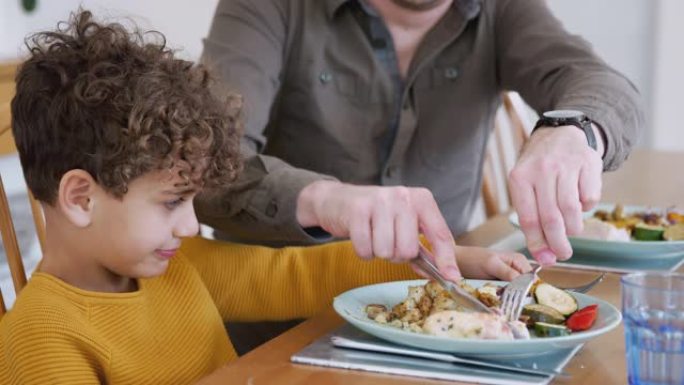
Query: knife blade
[(347, 343), (462, 297)]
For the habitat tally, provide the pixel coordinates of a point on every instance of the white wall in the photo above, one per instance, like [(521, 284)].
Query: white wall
[(184, 23), (668, 84), (622, 33)]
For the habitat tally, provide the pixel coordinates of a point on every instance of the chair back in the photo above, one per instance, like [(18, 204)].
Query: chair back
[(512, 127)]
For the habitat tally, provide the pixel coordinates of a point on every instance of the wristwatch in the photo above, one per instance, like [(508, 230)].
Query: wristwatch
[(557, 118)]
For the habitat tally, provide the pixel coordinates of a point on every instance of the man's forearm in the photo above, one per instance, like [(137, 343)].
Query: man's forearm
[(261, 204)]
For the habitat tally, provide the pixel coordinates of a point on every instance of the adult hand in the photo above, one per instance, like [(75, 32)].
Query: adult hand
[(384, 222), (556, 178), (482, 263)]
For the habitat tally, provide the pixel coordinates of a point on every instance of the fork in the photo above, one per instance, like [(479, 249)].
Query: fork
[(515, 293), (512, 301), (586, 287)]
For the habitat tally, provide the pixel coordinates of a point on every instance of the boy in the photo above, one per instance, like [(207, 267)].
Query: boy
[(116, 137)]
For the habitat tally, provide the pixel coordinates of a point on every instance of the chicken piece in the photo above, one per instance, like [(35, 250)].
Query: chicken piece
[(433, 289), (465, 286), (487, 294), (458, 324), (596, 229), (425, 304), (416, 293), (416, 327), (443, 301), (373, 310), (413, 315), (400, 309), (396, 323)]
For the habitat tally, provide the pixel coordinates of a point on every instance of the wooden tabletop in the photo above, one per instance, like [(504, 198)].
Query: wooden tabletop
[(647, 178)]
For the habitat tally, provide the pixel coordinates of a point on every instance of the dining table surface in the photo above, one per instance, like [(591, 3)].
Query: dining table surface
[(648, 177)]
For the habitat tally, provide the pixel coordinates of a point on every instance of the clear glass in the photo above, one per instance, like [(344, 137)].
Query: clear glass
[(653, 310)]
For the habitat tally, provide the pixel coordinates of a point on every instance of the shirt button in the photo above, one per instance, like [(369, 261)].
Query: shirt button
[(451, 73), (272, 209), (391, 171), (325, 77)]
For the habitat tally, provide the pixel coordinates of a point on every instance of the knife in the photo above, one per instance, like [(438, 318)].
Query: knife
[(347, 343), (462, 297)]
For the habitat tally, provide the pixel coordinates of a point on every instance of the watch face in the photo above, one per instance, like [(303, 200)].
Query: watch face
[(564, 114)]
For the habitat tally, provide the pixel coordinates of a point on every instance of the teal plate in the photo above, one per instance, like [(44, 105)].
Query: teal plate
[(621, 249), (351, 305)]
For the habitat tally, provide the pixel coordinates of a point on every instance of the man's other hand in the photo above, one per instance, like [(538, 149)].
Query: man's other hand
[(382, 222)]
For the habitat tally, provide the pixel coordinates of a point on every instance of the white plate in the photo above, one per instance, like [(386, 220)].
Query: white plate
[(620, 249), (351, 306)]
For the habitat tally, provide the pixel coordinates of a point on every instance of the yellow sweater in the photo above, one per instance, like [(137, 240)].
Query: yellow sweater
[(171, 330)]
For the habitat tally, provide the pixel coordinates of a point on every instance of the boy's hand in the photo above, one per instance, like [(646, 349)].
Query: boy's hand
[(381, 222), (481, 263)]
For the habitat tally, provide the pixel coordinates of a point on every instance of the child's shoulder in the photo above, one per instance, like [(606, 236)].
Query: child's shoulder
[(42, 302)]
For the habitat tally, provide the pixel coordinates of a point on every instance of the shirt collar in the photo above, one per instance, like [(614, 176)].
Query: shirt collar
[(469, 8)]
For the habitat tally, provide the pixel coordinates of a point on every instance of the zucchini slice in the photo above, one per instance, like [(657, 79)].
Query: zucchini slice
[(644, 232), (548, 330), (555, 298), (543, 313)]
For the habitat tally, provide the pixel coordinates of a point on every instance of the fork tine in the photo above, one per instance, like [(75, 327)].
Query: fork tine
[(586, 287), (511, 305), (517, 306), (509, 302)]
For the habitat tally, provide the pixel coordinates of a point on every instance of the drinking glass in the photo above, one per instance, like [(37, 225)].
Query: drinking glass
[(653, 310)]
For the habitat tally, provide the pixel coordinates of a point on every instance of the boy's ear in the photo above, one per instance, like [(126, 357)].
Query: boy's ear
[(76, 196)]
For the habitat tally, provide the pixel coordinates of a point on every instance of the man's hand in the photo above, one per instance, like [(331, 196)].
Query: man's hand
[(556, 178), (384, 222)]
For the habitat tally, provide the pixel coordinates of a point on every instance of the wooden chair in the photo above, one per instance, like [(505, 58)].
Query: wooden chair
[(512, 127), (7, 71), (9, 237)]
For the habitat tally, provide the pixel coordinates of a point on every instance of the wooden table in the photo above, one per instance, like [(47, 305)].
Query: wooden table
[(642, 180)]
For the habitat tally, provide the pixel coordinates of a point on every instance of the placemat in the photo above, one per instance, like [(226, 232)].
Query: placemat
[(322, 353)]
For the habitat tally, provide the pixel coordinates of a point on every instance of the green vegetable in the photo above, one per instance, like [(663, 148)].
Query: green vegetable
[(644, 232), (555, 298), (543, 313), (549, 330)]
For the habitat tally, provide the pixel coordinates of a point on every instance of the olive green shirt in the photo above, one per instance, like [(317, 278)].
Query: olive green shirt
[(319, 102)]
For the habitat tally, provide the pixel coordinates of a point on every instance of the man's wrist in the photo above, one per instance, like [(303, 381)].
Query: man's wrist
[(306, 202)]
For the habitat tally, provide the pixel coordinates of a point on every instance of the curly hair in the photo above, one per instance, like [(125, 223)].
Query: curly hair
[(118, 104)]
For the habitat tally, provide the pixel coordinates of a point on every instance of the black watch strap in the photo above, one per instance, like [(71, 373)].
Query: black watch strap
[(575, 118)]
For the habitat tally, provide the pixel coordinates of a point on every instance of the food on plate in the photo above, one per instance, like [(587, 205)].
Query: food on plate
[(595, 228), (431, 310), (461, 324), (553, 297), (542, 313), (582, 319), (674, 232), (544, 329), (645, 225)]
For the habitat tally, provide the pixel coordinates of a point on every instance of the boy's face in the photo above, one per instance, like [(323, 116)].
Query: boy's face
[(140, 233)]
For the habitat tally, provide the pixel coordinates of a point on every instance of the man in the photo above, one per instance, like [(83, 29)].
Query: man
[(365, 118)]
